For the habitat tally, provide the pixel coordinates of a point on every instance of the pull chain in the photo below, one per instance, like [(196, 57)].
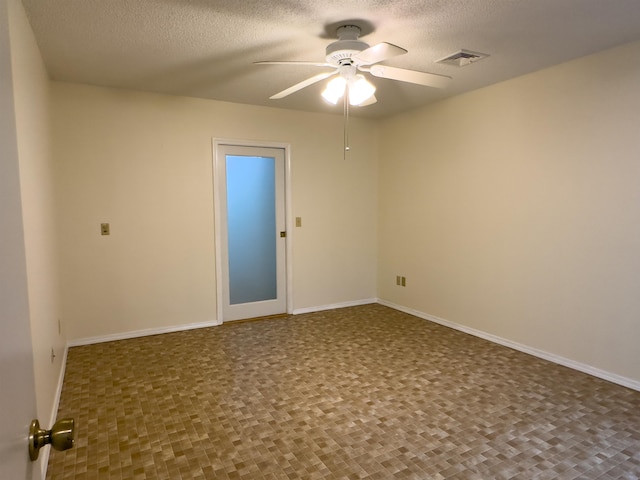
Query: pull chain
[(346, 121)]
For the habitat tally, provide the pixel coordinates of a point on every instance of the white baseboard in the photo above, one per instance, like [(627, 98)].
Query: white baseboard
[(178, 328), (566, 362), (140, 333), (320, 308)]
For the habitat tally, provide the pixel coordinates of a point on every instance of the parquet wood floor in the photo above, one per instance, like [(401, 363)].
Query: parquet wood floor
[(357, 393)]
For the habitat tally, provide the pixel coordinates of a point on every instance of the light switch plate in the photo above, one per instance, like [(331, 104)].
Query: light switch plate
[(104, 229)]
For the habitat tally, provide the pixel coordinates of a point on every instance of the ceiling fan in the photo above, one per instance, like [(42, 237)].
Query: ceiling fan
[(348, 56)]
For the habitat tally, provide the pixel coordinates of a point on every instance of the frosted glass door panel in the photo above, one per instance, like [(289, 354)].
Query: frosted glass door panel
[(249, 194), (251, 228)]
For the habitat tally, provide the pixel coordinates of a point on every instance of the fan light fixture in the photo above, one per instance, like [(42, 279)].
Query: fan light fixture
[(357, 88), (347, 56), (335, 89)]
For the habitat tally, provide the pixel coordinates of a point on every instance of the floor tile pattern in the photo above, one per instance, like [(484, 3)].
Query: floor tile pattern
[(357, 393)]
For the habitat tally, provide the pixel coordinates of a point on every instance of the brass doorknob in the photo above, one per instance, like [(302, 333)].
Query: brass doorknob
[(59, 437)]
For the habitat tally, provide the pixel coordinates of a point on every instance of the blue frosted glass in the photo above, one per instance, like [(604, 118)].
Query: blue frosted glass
[(251, 223)]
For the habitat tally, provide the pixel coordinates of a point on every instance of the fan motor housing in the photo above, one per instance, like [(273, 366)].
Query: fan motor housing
[(342, 50)]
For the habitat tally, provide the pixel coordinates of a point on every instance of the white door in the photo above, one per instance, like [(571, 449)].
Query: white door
[(17, 390), (17, 393), (251, 214)]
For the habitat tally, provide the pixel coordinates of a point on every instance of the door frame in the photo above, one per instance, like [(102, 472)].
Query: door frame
[(217, 216)]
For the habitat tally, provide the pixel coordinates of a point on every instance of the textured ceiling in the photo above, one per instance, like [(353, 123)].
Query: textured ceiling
[(206, 48)]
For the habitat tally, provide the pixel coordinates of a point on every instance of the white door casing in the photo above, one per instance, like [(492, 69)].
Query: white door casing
[(224, 151)]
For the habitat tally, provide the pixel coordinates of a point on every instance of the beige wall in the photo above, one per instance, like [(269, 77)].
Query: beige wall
[(143, 163), (512, 210), (515, 210), (31, 96)]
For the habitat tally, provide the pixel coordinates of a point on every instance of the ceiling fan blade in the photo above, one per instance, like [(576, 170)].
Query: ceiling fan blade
[(410, 76), (313, 64), (378, 53), (303, 84)]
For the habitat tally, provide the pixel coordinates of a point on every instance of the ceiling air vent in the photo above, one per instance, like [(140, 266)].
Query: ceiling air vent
[(462, 58)]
